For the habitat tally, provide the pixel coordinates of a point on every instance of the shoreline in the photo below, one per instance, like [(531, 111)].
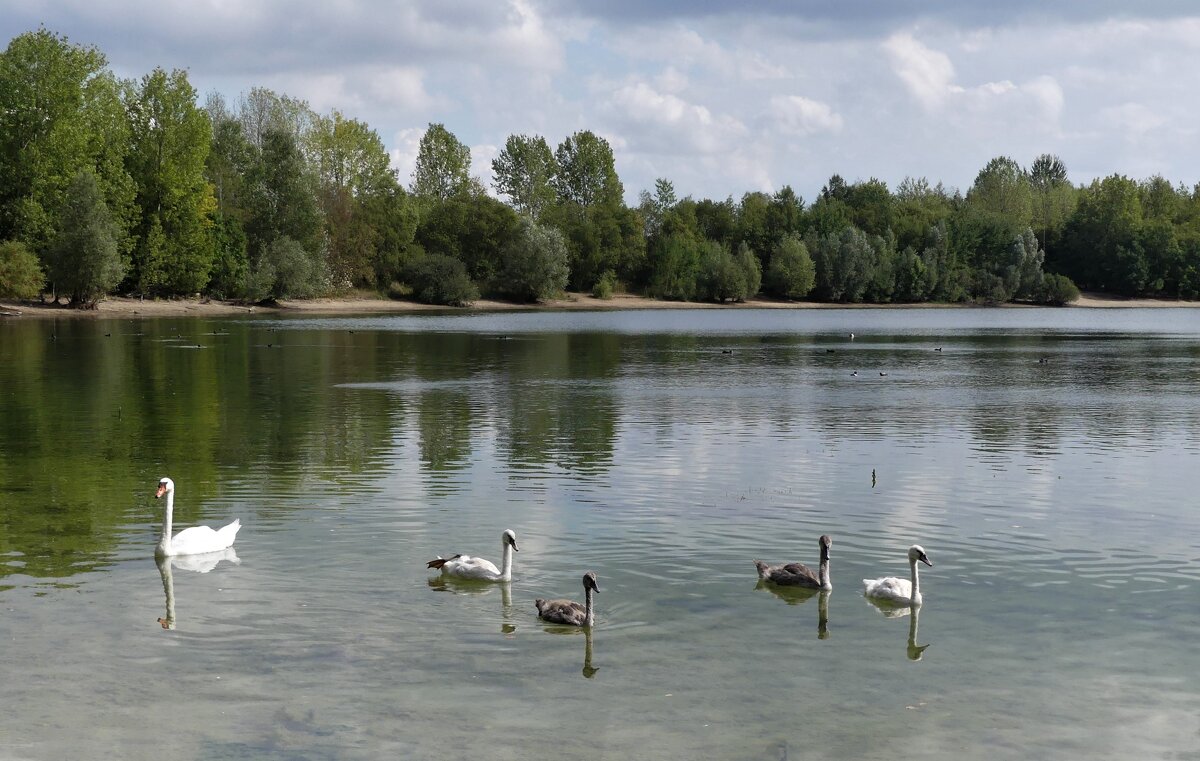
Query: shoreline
[(127, 307)]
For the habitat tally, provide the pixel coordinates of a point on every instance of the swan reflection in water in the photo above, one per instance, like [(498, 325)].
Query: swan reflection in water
[(476, 588), (200, 563), (588, 670), (798, 595), (900, 611)]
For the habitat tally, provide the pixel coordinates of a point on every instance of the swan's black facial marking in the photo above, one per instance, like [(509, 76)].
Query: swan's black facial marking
[(924, 559)]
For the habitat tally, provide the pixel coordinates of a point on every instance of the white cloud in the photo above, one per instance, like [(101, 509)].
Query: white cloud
[(399, 86), (797, 115), (928, 74), (667, 123), (672, 80), (1048, 94), (1133, 118)]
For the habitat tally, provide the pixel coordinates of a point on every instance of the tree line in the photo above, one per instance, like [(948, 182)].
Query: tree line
[(136, 187)]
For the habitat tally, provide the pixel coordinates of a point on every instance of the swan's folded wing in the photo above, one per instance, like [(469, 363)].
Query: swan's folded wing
[(791, 574), (561, 611), (800, 570)]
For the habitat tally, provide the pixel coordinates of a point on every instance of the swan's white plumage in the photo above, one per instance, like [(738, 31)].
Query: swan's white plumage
[(191, 541), (479, 569), (896, 590), (890, 588)]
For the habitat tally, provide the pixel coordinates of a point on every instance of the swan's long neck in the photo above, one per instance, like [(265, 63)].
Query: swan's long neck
[(916, 583), (589, 614), (506, 563), (164, 543), (823, 571)]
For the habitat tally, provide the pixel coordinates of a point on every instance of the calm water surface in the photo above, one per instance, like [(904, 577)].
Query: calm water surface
[(1047, 460)]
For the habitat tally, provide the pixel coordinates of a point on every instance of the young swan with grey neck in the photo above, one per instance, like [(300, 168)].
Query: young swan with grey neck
[(798, 574), (899, 591), (467, 567), (570, 612), (191, 541)]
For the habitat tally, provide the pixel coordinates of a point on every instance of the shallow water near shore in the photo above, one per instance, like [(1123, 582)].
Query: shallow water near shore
[(1045, 459)]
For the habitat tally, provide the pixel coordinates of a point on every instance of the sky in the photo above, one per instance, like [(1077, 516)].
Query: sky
[(720, 98)]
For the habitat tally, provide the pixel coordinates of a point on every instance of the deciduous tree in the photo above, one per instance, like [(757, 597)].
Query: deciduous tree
[(83, 258), (443, 165), (524, 171)]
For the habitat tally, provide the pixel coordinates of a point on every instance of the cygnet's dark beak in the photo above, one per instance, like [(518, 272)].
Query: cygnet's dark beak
[(925, 560)]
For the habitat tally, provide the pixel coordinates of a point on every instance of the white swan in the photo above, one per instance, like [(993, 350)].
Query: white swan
[(798, 574), (570, 612), (899, 591), (467, 567), (194, 540)]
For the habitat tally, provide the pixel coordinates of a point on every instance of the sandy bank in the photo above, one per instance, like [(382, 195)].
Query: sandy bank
[(131, 307)]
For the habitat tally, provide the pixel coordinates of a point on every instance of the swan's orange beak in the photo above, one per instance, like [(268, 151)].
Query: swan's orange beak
[(162, 489)]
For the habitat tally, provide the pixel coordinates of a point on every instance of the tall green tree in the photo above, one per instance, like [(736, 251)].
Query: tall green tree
[(60, 114), (171, 137), (443, 167), (717, 220), (281, 204), (1002, 188), (792, 273), (523, 172), (654, 208), (84, 259), (1053, 198), (918, 206), (262, 110), (845, 263), (1100, 248), (587, 174), (355, 176), (281, 196)]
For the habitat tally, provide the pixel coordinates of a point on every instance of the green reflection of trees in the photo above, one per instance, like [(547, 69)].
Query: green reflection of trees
[(92, 413), (558, 403)]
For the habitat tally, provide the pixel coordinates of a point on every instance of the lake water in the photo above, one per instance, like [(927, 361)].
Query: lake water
[(1047, 460)]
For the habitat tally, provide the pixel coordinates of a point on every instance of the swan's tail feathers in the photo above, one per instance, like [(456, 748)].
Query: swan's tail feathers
[(762, 568), (439, 562), (229, 531)]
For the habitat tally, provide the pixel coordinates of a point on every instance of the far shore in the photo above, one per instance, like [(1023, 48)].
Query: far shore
[(126, 307)]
